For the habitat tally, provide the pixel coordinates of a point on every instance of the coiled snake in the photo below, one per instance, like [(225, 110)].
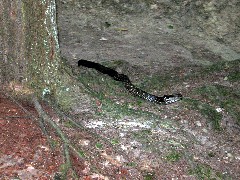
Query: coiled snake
[(166, 99)]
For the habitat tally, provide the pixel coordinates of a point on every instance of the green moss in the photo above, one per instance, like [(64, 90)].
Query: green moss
[(63, 168), (114, 64), (170, 26), (224, 66), (211, 154), (108, 91), (69, 124), (65, 97), (206, 172), (81, 153), (224, 97), (148, 176), (230, 67), (212, 115), (173, 156), (145, 132), (206, 110), (131, 164), (234, 76), (156, 82), (59, 176), (54, 143), (99, 145), (174, 143), (114, 142), (144, 137)]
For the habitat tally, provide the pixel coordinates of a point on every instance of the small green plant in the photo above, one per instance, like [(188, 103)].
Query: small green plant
[(69, 124), (173, 156), (170, 26), (131, 164), (63, 171), (206, 172), (202, 172), (149, 176), (211, 154), (114, 142), (54, 143), (81, 153), (99, 145)]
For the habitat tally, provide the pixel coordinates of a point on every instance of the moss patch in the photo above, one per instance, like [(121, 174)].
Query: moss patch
[(224, 97), (207, 111), (173, 156), (206, 172)]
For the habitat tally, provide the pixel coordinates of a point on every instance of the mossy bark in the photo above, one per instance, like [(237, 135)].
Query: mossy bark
[(42, 49), (12, 62), (30, 46)]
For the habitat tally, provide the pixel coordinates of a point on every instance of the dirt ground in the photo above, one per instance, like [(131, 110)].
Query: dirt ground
[(161, 53), (25, 152), (189, 47)]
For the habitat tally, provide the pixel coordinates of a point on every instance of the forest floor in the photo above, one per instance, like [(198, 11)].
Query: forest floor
[(25, 151), (118, 136), (162, 53), (196, 138)]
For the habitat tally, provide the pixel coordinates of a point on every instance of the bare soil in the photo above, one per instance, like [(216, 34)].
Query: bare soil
[(197, 138)]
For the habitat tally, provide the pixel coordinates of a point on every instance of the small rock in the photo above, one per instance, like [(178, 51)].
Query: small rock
[(103, 39), (219, 109), (153, 6), (198, 123)]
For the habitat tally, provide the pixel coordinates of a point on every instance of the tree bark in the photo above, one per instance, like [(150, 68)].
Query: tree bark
[(30, 56), (30, 50)]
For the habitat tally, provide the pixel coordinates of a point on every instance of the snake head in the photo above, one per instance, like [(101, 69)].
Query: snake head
[(168, 99)]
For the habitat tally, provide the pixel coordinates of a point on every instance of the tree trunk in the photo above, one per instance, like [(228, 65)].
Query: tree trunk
[(29, 44)]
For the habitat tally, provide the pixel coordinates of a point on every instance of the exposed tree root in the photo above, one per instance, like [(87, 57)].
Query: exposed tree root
[(66, 143), (42, 121), (73, 154)]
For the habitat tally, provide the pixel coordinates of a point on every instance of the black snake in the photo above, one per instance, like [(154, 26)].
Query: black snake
[(166, 99)]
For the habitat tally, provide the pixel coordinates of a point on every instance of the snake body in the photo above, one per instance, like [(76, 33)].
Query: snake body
[(166, 99)]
